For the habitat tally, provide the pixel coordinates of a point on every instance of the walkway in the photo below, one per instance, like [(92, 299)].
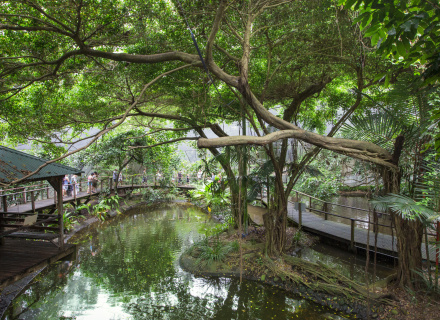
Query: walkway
[(340, 232), (49, 203)]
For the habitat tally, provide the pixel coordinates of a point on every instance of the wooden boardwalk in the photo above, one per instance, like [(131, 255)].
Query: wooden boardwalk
[(339, 232), (49, 203), (19, 257)]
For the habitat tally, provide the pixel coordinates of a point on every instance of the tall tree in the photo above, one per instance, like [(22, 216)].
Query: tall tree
[(53, 45)]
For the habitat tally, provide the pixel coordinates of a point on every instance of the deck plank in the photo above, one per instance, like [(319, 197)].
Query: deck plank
[(19, 257)]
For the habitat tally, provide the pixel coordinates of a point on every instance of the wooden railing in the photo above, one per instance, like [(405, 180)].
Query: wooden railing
[(353, 221)]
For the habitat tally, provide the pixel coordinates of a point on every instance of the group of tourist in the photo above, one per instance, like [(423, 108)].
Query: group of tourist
[(70, 185), (92, 182), (117, 177)]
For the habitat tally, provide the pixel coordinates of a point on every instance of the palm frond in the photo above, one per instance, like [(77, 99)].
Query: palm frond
[(406, 207)]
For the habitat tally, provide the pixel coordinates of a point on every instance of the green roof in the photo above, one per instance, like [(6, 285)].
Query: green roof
[(16, 164)]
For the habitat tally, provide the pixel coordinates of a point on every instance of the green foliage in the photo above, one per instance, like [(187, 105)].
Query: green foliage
[(70, 219), (151, 195), (83, 206), (211, 194), (214, 252), (408, 31), (404, 206), (105, 205), (322, 187), (298, 238)]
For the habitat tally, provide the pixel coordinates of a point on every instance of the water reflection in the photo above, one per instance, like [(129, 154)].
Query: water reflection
[(362, 203), (128, 269)]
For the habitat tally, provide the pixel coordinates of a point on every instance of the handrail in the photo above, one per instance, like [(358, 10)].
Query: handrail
[(355, 219), (26, 227), (336, 204)]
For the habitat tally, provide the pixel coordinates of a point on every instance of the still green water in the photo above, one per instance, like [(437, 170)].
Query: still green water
[(128, 268)]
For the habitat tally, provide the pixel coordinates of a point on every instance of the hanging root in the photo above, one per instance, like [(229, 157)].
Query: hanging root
[(321, 278)]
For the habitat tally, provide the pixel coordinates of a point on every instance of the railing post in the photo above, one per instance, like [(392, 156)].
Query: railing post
[(47, 193), (299, 215), (352, 236), (310, 202), (33, 201), (325, 209), (24, 196), (55, 197), (297, 196), (74, 190), (80, 187), (4, 203)]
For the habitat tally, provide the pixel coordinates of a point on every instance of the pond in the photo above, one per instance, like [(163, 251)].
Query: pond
[(128, 268)]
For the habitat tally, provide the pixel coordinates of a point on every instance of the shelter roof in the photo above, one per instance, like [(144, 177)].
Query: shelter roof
[(15, 164)]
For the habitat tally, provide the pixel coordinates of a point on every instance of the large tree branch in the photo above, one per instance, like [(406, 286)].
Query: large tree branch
[(102, 132), (164, 142), (357, 149)]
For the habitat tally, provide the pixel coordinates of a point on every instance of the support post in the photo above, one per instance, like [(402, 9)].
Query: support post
[(325, 209), (47, 192), (436, 248), (60, 212), (24, 196), (4, 203), (74, 190), (297, 196), (352, 236), (310, 202), (299, 215), (33, 201), (2, 239)]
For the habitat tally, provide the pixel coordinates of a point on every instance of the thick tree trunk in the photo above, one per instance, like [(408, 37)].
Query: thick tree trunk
[(275, 221), (409, 233), (409, 243)]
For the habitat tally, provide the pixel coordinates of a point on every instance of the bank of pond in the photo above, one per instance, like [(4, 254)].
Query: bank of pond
[(148, 263)]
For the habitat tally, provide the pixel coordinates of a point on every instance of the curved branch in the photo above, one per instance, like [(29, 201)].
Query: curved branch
[(102, 132), (165, 142), (357, 149)]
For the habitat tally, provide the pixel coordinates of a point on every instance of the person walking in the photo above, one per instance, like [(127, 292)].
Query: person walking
[(158, 176), (115, 177), (144, 176), (95, 182), (74, 182), (66, 183), (89, 183), (120, 178)]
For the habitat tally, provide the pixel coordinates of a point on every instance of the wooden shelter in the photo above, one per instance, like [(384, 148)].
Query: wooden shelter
[(15, 165)]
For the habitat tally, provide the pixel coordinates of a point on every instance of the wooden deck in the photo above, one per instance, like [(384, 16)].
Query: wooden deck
[(19, 257), (341, 233), (49, 203)]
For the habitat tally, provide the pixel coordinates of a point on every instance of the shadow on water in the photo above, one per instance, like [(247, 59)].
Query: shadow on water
[(128, 269)]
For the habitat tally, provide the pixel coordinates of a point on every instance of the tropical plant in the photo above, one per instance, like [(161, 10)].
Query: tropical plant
[(211, 194), (105, 205), (150, 194), (215, 252)]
